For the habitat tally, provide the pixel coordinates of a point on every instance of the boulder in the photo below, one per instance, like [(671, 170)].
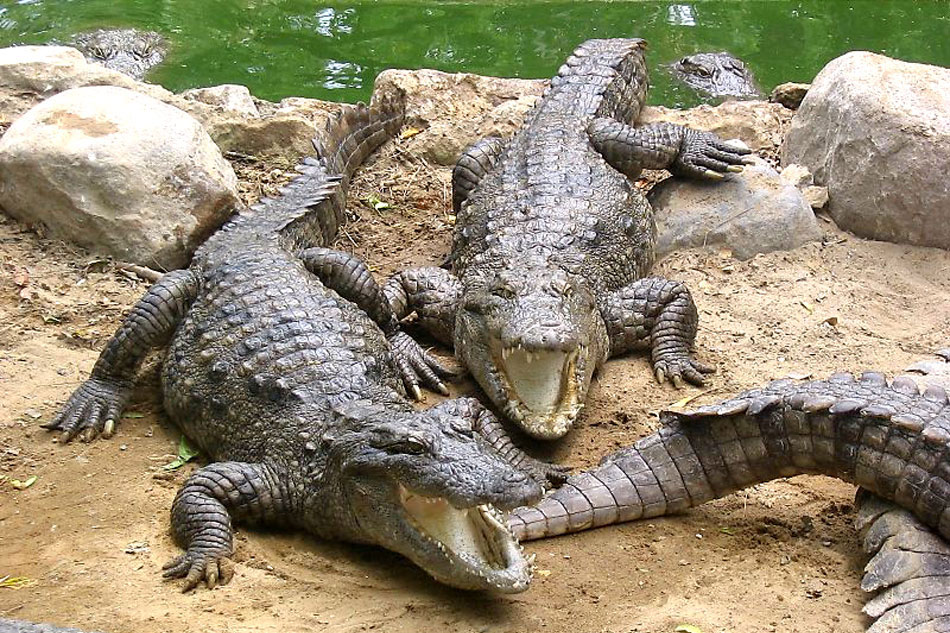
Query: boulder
[(117, 172), (876, 133), (436, 102), (229, 98), (748, 213)]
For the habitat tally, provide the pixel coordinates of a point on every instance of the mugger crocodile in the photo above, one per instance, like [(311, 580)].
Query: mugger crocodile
[(717, 75), (287, 367), (889, 438), (128, 51), (552, 242)]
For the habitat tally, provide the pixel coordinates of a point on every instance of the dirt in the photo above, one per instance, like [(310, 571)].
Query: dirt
[(89, 536)]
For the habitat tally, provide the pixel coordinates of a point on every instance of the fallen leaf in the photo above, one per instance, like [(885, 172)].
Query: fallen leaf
[(409, 132), (807, 306), (832, 320), (727, 530), (376, 203), (185, 454), (23, 485), (15, 582), (799, 376), (543, 573), (681, 404), (132, 415)]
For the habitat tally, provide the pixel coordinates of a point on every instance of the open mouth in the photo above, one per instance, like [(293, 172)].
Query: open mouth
[(541, 388), (476, 541)]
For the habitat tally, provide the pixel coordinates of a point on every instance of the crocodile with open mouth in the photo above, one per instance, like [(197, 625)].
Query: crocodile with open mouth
[(552, 243), (286, 366)]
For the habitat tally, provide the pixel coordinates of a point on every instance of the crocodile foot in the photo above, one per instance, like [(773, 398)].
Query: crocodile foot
[(91, 410), (681, 368), (214, 567), (704, 155), (416, 365)]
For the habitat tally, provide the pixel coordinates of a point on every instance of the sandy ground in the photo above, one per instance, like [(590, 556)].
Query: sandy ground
[(91, 533)]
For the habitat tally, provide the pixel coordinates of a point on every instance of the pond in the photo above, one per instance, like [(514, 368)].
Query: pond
[(333, 50)]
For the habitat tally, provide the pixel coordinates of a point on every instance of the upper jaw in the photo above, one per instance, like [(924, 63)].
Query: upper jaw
[(467, 548), (543, 388)]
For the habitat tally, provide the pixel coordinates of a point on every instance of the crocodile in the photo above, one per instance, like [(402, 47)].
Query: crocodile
[(286, 366), (720, 75), (552, 243), (889, 438), (129, 51)]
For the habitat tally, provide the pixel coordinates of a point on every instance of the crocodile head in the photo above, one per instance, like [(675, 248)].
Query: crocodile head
[(128, 51), (716, 74), (532, 338), (427, 486)]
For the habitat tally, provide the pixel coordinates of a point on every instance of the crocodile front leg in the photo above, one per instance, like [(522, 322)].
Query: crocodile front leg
[(683, 151), (96, 405), (349, 276), (485, 424), (476, 161), (659, 314), (432, 293), (202, 514)]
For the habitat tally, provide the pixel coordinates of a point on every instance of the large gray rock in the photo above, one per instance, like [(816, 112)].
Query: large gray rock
[(752, 212), (118, 172), (876, 132)]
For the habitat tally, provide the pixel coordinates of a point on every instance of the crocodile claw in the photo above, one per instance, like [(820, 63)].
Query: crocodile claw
[(91, 410), (704, 155), (213, 567), (417, 366), (681, 369)]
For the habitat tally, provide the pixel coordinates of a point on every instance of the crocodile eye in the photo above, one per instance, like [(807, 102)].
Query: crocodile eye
[(407, 446)]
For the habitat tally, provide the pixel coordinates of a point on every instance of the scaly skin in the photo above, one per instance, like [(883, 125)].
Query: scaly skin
[(128, 51), (552, 243), (286, 366), (888, 438), (717, 75)]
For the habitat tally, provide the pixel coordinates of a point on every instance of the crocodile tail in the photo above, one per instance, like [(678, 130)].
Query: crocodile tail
[(885, 437), (311, 208), (602, 78)]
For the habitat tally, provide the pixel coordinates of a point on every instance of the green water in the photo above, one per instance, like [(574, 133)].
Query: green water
[(280, 48)]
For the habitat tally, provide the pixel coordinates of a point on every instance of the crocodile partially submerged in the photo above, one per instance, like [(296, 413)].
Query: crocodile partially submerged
[(128, 51), (286, 366), (552, 242), (720, 75), (889, 438)]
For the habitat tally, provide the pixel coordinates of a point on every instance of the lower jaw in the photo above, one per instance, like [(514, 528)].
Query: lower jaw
[(545, 426)]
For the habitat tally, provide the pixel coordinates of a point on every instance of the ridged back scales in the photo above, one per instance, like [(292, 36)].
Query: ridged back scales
[(552, 197), (267, 356)]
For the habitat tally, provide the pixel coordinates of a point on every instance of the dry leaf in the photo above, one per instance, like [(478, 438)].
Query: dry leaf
[(409, 132)]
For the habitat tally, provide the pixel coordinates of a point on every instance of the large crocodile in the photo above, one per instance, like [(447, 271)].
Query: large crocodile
[(717, 75), (286, 366), (552, 242), (887, 437), (128, 51)]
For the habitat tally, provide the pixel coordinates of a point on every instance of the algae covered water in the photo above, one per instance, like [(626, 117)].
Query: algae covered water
[(334, 50)]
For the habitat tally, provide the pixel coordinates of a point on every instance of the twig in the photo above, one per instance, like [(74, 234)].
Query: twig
[(148, 274)]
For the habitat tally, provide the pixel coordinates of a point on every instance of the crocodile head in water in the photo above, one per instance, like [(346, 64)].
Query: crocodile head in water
[(128, 51), (532, 338), (717, 74), (428, 486)]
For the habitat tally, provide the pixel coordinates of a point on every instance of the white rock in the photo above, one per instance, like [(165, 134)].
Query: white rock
[(752, 212), (876, 132), (118, 172), (231, 98), (816, 196), (797, 175)]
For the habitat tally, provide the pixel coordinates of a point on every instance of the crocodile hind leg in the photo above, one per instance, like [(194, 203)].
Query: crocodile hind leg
[(476, 161), (683, 151), (659, 314), (910, 567), (474, 416), (96, 405), (349, 276), (202, 513)]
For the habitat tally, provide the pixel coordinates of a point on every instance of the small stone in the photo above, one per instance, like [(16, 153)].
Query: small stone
[(797, 175), (789, 94), (816, 196), (123, 447), (33, 413)]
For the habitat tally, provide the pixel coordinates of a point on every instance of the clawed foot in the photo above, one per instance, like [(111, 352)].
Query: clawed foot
[(92, 410), (704, 155), (545, 473), (680, 369), (215, 568), (416, 365)]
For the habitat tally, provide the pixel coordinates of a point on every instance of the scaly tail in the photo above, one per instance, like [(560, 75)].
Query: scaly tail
[(311, 208), (887, 438)]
